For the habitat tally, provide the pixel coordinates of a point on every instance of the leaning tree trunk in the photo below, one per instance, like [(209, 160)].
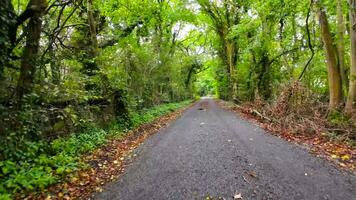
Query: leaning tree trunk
[(351, 99), (335, 89), (29, 57)]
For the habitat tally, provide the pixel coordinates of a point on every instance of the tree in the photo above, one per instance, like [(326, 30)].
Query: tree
[(335, 89), (7, 21), (341, 28), (224, 17), (351, 99), (30, 54)]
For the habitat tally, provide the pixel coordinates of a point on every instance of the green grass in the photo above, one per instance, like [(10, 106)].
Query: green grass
[(47, 163)]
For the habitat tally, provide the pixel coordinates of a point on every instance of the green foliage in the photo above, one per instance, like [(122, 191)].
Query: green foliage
[(339, 118), (34, 173), (80, 143), (149, 115), (110, 64), (43, 163)]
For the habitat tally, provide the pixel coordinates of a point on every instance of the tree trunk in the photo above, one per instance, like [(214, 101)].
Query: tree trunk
[(90, 66), (264, 77), (351, 99), (92, 30), (55, 71), (335, 89), (264, 66), (231, 58), (29, 57), (7, 16), (341, 44)]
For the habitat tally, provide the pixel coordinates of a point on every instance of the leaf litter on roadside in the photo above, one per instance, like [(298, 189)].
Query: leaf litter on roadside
[(103, 165), (341, 154)]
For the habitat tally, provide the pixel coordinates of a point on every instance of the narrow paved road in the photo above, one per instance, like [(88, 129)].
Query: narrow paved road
[(214, 153)]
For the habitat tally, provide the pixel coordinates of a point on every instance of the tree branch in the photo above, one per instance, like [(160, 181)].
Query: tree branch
[(281, 54), (309, 41)]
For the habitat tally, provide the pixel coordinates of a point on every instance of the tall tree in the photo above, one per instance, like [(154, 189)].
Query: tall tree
[(29, 57), (341, 43), (224, 17), (7, 21), (351, 99), (93, 47), (334, 77)]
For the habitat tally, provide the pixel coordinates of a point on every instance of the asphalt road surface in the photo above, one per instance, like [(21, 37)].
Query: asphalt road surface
[(210, 152)]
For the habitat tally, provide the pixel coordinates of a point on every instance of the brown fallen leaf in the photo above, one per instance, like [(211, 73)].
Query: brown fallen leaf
[(253, 174)]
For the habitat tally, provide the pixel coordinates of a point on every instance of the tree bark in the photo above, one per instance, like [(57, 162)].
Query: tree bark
[(335, 89), (92, 30), (7, 21), (341, 44), (263, 70), (29, 57), (231, 55), (351, 99), (90, 66)]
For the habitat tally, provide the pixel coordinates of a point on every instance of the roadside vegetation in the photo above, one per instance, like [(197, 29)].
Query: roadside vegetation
[(289, 65), (43, 163), (74, 73)]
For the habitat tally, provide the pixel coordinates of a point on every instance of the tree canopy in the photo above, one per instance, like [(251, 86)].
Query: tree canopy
[(69, 64)]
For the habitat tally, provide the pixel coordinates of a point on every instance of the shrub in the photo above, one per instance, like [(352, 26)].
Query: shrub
[(38, 164)]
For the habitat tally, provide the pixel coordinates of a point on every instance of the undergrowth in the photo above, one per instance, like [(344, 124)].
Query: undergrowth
[(298, 111), (44, 163)]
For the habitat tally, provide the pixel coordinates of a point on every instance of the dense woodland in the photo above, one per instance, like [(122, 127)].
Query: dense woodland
[(81, 67)]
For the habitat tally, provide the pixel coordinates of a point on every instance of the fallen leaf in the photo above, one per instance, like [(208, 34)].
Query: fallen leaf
[(238, 196), (342, 164), (345, 157), (334, 156), (98, 189), (253, 174)]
